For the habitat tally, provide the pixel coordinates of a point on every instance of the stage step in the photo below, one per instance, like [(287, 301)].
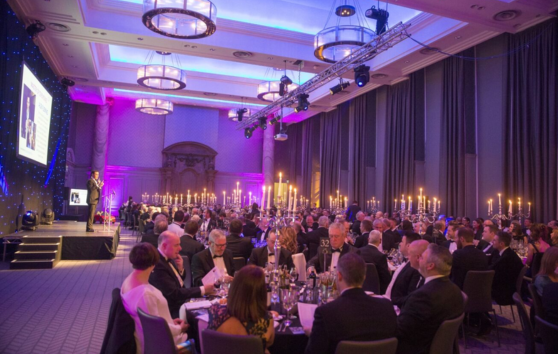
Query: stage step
[(37, 252), (33, 263)]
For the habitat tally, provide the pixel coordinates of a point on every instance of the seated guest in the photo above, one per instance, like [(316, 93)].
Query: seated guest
[(264, 255), (478, 224), (338, 249), (507, 265), (264, 230), (485, 244), (437, 235), (308, 224), (548, 271), (365, 228), (300, 237), (151, 222), (313, 237), (168, 275), (406, 278), (430, 305), (356, 225), (467, 257), (390, 237), (349, 316), (239, 246), (246, 310), (208, 223), (535, 249), (216, 255), (176, 225), (371, 254), (249, 227), (137, 293), (152, 237), (287, 239), (451, 236), (554, 238), (550, 304), (190, 246)]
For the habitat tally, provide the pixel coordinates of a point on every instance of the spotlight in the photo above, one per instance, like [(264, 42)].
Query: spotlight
[(281, 89), (362, 75), (47, 217), (302, 102), (263, 125), (338, 88), (29, 221), (67, 82), (381, 17), (240, 113), (274, 120), (248, 132), (285, 80), (35, 28)]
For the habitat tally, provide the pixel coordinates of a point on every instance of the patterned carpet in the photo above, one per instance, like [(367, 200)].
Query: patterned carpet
[(65, 310)]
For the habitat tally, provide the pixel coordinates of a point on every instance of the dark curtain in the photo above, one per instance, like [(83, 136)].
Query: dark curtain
[(330, 158), (310, 155), (38, 187), (357, 150), (455, 137), (530, 167), (399, 167)]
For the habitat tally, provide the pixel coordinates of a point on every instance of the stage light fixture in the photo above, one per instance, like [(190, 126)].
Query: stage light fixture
[(340, 87), (345, 10), (285, 80), (381, 17), (274, 120), (302, 102), (47, 216), (67, 82), (248, 132), (35, 28), (263, 123), (29, 221), (362, 75), (240, 113)]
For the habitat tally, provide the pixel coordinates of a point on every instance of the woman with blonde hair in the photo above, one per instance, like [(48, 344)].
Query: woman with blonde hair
[(548, 272), (287, 239)]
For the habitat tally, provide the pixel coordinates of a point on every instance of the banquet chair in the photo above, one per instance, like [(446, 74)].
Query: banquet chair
[(300, 265), (384, 346), (372, 281), (537, 308), (202, 326), (549, 335), (528, 332), (119, 336), (214, 342), (478, 288), (445, 338), (518, 286), (188, 271), (239, 262), (157, 336)]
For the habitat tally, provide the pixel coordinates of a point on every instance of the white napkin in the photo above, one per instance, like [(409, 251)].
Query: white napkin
[(306, 314), (197, 305)]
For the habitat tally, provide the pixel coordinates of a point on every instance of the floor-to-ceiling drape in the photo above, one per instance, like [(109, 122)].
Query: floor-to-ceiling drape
[(358, 143), (310, 157), (531, 115), (330, 157)]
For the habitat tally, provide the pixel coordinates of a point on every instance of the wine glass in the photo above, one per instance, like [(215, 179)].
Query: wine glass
[(293, 274), (289, 299)]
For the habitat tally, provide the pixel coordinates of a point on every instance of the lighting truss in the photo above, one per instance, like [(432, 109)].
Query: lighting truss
[(368, 51)]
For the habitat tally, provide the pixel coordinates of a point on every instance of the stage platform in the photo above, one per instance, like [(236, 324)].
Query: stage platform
[(64, 240)]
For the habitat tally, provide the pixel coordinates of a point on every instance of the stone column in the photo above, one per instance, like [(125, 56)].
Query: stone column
[(99, 158), (268, 157)]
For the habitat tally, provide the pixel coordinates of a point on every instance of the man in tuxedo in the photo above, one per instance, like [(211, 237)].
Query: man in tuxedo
[(451, 237), (365, 228), (430, 305), (396, 235), (208, 223), (371, 254), (387, 238), (351, 213), (168, 275), (313, 237), (239, 246), (94, 186), (437, 235), (405, 279), (338, 249), (467, 257), (300, 237), (176, 225), (160, 226), (215, 256), (506, 265), (485, 244), (348, 317), (355, 228), (264, 230), (261, 256), (190, 246), (308, 224)]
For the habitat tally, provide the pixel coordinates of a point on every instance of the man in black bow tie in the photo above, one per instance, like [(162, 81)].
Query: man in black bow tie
[(405, 279), (262, 255), (215, 256), (466, 257), (338, 249)]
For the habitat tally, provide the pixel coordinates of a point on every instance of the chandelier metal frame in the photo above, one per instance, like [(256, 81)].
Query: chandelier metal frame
[(162, 76), (154, 106)]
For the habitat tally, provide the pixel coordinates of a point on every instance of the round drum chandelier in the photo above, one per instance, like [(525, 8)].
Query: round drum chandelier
[(269, 91), (162, 76), (184, 19), (154, 106), (334, 43)]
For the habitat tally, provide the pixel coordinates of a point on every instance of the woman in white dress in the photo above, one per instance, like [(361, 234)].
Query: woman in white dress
[(137, 293)]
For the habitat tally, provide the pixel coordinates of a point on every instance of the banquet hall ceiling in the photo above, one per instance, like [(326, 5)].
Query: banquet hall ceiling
[(106, 42)]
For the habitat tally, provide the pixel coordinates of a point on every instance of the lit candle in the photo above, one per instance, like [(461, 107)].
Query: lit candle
[(280, 186), (510, 210), (268, 197), (180, 198), (489, 207), (196, 198), (240, 197), (249, 198), (435, 204), (420, 197), (499, 200), (529, 207), (290, 200), (429, 206), (345, 202), (439, 204), (395, 204), (338, 195), (224, 198), (330, 202), (410, 204), (294, 201)]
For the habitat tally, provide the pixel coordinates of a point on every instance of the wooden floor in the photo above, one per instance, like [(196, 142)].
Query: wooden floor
[(65, 310)]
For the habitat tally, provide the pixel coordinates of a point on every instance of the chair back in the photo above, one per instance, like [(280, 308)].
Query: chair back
[(202, 326), (549, 335), (141, 226), (478, 288), (312, 250), (372, 281), (300, 265), (528, 332), (519, 280), (384, 346), (444, 339), (537, 301), (187, 271), (214, 342), (119, 336), (239, 262), (157, 337)]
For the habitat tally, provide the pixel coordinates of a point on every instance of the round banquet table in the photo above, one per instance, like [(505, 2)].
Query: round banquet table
[(288, 343)]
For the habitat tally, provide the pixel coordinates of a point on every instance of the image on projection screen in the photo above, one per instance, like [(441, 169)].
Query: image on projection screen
[(78, 197), (34, 119)]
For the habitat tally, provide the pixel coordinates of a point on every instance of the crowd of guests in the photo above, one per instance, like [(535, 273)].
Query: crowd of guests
[(426, 287)]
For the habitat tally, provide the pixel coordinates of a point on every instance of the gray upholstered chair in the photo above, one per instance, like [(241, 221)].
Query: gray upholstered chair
[(384, 346), (214, 342), (528, 332), (444, 339), (478, 288), (157, 337), (549, 335), (372, 281)]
